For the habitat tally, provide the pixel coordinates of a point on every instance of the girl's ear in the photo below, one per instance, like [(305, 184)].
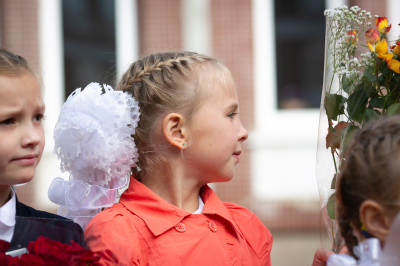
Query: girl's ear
[(375, 219), (174, 131)]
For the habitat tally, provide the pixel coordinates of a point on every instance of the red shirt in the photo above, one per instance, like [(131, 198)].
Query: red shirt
[(144, 229)]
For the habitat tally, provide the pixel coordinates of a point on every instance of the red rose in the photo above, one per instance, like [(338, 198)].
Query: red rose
[(31, 260), (8, 260), (4, 245), (56, 253)]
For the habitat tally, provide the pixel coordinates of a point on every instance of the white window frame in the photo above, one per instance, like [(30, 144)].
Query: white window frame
[(293, 131)]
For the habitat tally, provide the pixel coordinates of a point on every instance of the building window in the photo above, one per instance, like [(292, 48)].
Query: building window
[(300, 32), (89, 42)]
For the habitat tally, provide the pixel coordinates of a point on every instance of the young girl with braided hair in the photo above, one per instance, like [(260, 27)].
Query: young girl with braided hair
[(369, 191), (189, 134)]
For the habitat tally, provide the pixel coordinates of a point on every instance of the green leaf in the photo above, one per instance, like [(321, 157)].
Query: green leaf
[(372, 115), (346, 84), (393, 109), (386, 72), (376, 102), (334, 105), (333, 184), (331, 206), (396, 78), (369, 73), (357, 102), (349, 133)]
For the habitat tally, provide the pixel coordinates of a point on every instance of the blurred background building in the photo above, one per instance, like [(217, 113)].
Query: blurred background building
[(274, 49)]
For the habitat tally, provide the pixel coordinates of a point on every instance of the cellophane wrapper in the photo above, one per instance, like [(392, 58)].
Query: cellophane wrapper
[(361, 83)]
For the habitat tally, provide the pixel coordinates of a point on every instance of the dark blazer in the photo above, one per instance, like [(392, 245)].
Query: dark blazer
[(31, 223)]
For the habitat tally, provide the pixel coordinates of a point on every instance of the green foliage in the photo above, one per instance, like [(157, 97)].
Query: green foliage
[(333, 184), (376, 103), (369, 74), (393, 109), (331, 206), (347, 135), (371, 115), (334, 105), (346, 84), (357, 102)]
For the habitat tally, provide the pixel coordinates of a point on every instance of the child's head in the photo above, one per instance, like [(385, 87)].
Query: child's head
[(21, 112), (188, 102), (369, 182)]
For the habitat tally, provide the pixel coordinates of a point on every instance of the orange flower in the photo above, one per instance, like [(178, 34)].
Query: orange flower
[(382, 25), (372, 36), (353, 37), (396, 48), (394, 65)]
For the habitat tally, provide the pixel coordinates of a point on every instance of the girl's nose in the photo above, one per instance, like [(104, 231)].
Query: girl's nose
[(242, 133), (30, 136)]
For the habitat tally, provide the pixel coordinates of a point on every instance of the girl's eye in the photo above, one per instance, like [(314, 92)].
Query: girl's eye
[(7, 121), (231, 115), (38, 118)]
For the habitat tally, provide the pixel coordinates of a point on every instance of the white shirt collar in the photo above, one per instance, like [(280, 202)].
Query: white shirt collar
[(201, 206), (7, 218)]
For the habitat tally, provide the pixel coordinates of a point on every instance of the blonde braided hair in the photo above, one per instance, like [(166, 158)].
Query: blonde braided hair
[(163, 83)]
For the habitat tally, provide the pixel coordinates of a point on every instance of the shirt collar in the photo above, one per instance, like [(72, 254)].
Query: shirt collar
[(8, 211), (159, 215)]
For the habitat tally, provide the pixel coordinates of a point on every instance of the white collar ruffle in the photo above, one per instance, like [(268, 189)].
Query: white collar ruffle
[(7, 218)]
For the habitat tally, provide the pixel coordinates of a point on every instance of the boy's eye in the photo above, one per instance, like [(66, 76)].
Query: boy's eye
[(7, 121)]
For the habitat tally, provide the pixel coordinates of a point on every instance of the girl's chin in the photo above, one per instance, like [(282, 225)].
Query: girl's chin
[(23, 178)]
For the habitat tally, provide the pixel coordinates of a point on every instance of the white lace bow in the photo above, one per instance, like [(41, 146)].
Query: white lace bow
[(93, 140), (369, 252)]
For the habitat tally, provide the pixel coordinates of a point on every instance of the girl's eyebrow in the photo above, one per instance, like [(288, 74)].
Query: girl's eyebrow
[(42, 107), (233, 106)]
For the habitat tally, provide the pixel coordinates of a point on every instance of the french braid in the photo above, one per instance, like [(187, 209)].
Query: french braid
[(163, 83), (370, 171)]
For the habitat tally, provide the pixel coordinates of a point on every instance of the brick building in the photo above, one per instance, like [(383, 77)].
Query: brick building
[(75, 42)]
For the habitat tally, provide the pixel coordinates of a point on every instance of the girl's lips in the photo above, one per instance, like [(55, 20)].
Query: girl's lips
[(27, 159), (236, 155)]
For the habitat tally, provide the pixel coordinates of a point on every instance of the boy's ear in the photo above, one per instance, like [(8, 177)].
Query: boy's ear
[(174, 131), (373, 216)]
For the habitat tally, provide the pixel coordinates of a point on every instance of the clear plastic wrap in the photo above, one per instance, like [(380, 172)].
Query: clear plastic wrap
[(361, 83)]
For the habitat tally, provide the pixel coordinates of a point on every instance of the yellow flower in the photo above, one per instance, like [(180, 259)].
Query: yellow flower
[(382, 25), (381, 48), (372, 36), (396, 48), (394, 65)]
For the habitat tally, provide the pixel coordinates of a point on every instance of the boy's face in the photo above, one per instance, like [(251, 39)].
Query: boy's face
[(21, 129)]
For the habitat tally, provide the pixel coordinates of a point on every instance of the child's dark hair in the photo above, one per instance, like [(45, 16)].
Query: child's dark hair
[(166, 82), (370, 171)]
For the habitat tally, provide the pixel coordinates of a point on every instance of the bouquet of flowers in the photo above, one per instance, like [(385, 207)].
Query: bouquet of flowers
[(46, 252), (361, 83)]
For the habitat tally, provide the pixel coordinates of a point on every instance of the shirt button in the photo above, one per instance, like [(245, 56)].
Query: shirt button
[(181, 227), (212, 226)]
